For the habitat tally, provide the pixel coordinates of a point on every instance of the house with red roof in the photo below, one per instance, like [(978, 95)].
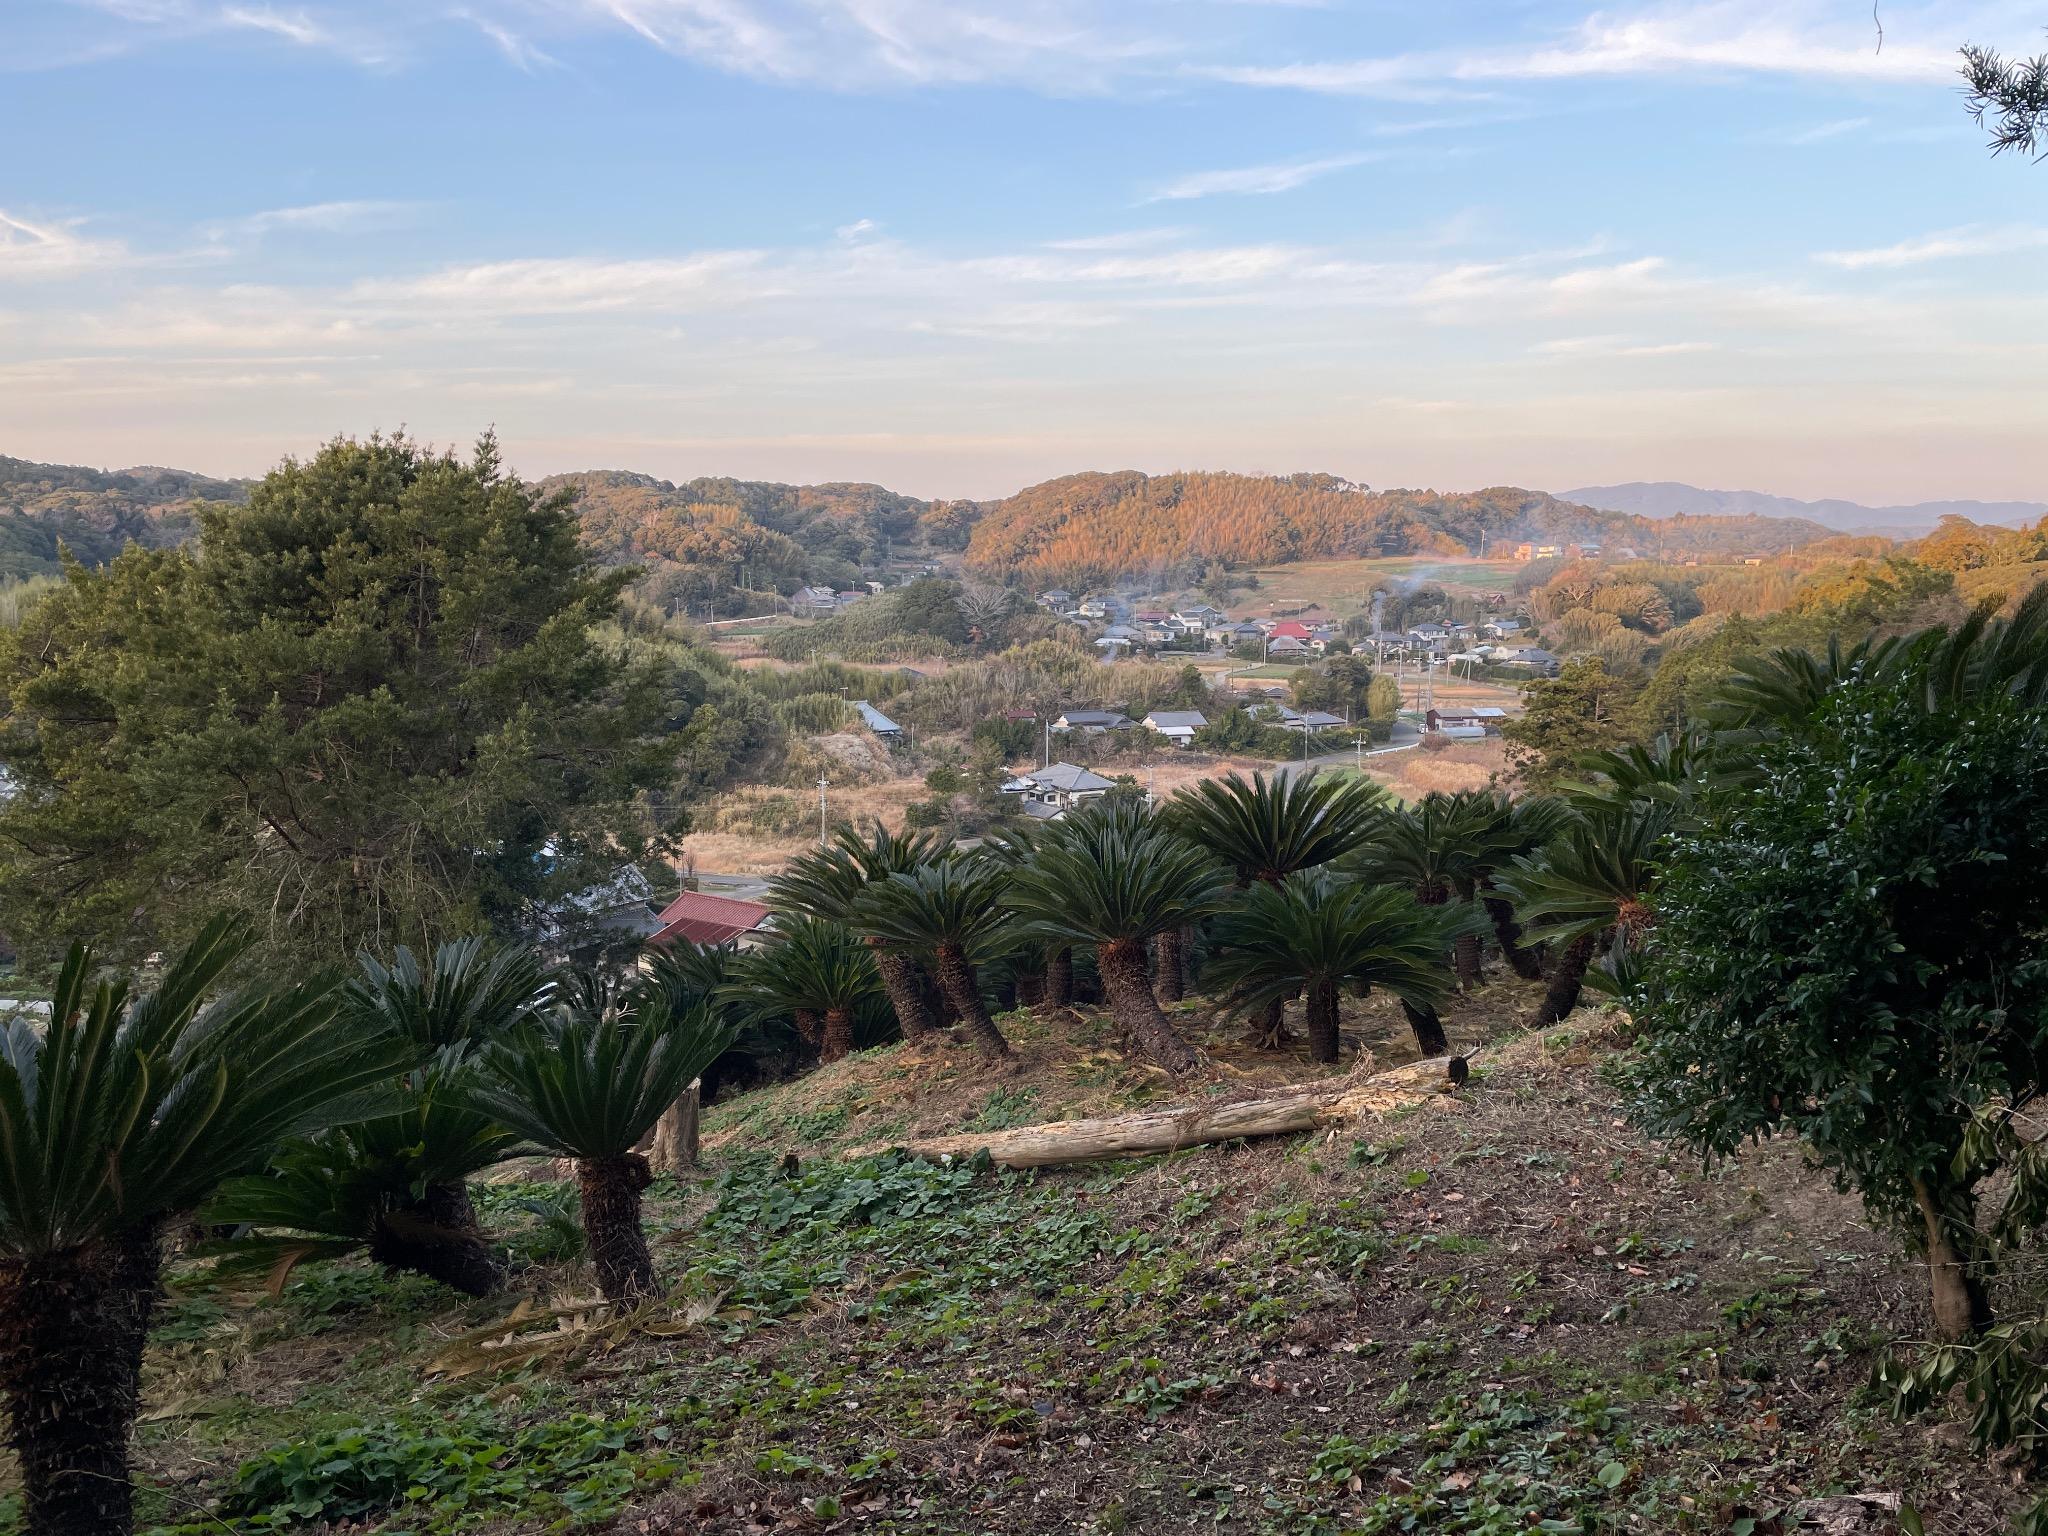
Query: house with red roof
[(703, 918)]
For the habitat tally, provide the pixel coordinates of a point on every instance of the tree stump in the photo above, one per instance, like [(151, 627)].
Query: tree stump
[(673, 1146)]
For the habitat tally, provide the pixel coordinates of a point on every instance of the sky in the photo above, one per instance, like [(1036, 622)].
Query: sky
[(958, 246)]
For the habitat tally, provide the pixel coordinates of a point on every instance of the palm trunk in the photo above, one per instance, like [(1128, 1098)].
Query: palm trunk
[(1562, 995), (1059, 978), (1270, 1032), (1323, 1038), (1030, 988), (1526, 961), (899, 980), (1137, 1010), (1956, 1296), (963, 991), (611, 1222), (807, 1028), (72, 1328), (838, 1038), (441, 1239), (1430, 1038), (1171, 981), (1465, 959)]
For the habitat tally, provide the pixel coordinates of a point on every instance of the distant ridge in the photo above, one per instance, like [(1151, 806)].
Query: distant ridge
[(1672, 498)]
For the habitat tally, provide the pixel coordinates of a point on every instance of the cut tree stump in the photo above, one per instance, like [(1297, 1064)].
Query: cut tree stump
[(1283, 1113), (672, 1146)]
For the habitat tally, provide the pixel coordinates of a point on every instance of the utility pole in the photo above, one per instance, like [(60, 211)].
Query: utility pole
[(822, 782)]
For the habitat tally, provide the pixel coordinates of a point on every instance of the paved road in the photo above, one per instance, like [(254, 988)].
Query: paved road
[(1406, 738)]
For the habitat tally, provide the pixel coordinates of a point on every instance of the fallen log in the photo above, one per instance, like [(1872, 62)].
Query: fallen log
[(1283, 1113)]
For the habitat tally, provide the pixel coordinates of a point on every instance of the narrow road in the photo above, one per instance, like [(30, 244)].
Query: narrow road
[(1407, 737)]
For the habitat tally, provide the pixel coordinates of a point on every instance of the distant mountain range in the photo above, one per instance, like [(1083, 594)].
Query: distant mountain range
[(1670, 498), (1085, 527)]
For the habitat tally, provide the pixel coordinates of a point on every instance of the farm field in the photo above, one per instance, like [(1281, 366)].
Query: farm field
[(1342, 588)]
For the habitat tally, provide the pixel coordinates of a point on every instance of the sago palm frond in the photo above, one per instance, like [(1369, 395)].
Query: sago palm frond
[(591, 1082), (467, 993), (1267, 827), (119, 1111)]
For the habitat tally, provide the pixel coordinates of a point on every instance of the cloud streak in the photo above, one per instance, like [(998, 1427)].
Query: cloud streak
[(1255, 180), (1946, 245), (1715, 37)]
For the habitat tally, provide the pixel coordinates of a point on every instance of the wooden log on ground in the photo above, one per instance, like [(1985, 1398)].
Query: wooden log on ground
[(1283, 1113)]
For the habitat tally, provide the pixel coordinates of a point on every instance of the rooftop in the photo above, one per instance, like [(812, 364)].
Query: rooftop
[(1071, 777), (703, 918)]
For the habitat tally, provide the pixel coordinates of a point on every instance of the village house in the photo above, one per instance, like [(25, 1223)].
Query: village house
[(814, 602), (1058, 599), (1283, 647), (1312, 720), (1227, 634), (1176, 725), (704, 919), (878, 722), (1093, 722), (1535, 658), (1049, 793), (1486, 719)]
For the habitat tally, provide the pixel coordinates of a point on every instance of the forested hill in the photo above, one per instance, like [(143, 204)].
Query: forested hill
[(708, 535), (700, 539), (1093, 526), (95, 513)]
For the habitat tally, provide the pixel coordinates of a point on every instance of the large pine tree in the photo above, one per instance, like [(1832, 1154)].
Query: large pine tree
[(368, 706)]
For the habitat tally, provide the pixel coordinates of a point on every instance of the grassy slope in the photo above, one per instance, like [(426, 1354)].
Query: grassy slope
[(1493, 1311)]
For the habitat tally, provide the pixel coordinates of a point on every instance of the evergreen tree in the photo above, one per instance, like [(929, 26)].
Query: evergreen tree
[(368, 705)]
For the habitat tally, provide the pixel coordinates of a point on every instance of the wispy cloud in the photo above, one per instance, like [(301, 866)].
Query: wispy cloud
[(1972, 240), (1253, 180), (303, 29), (1820, 133), (1619, 346), (516, 48), (1727, 36), (320, 218), (1120, 240), (44, 248)]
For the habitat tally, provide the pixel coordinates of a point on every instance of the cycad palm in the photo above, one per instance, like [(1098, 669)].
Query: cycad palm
[(951, 910), (1317, 934), (1011, 848), (1114, 878), (1439, 849), (588, 1081), (827, 884), (1590, 883), (1514, 829), (1267, 828), (397, 1183), (119, 1115), (819, 973), (392, 1184)]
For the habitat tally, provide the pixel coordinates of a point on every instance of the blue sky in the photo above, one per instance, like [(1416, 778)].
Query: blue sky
[(959, 245)]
